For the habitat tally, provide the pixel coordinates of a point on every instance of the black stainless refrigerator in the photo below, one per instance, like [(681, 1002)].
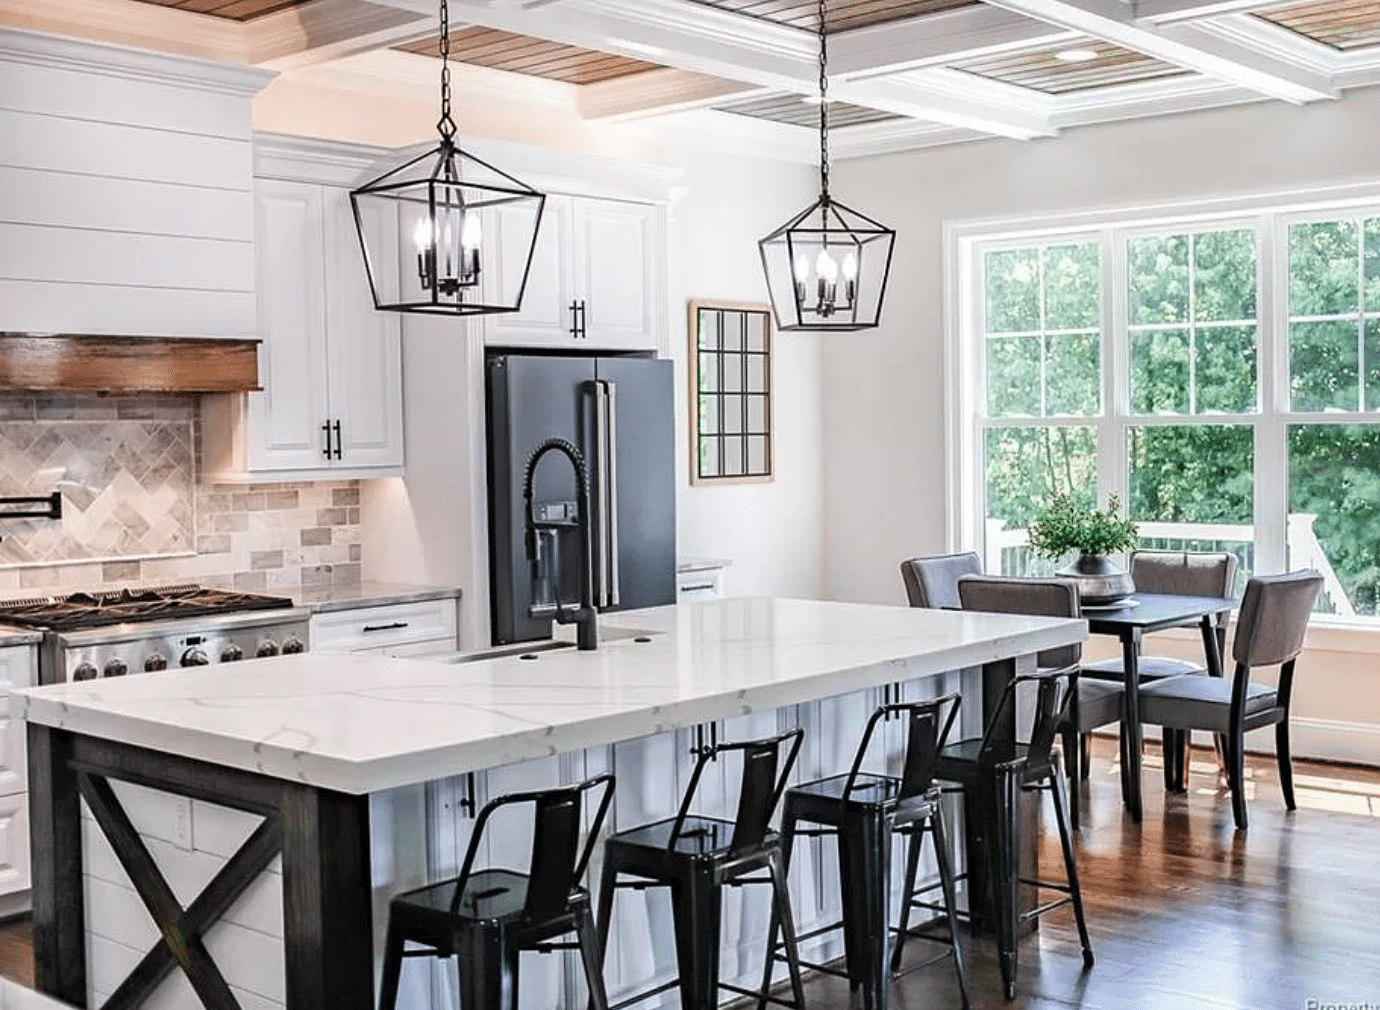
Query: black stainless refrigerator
[(619, 412)]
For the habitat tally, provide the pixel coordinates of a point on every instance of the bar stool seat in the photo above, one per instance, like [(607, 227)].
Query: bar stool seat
[(696, 856), (486, 918), (862, 810)]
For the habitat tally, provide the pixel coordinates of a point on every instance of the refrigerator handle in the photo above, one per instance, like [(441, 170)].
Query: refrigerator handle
[(601, 494), (611, 485)]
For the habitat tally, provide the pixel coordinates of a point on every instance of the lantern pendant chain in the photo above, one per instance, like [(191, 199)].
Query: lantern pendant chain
[(823, 105), (445, 126)]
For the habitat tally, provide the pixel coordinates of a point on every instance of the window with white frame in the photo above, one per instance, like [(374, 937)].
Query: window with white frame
[(1221, 376)]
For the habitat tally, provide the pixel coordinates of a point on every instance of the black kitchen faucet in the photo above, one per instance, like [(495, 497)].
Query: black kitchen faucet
[(584, 616)]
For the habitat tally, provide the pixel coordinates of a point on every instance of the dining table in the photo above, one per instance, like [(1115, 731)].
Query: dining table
[(1130, 620)]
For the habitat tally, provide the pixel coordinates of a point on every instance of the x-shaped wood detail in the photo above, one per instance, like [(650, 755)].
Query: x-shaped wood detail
[(182, 929)]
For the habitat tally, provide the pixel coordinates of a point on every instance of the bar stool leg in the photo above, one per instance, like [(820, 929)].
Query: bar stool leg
[(789, 816), (917, 838), (1007, 884), (591, 955), (782, 915), (392, 967), (695, 906), (608, 878), (946, 880), (488, 968), (865, 865), (1071, 867)]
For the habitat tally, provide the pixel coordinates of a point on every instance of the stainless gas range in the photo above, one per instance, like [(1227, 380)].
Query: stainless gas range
[(110, 634)]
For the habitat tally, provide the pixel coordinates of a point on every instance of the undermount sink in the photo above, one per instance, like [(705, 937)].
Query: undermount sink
[(505, 651)]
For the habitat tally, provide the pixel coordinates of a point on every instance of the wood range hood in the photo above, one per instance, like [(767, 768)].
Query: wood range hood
[(81, 363)]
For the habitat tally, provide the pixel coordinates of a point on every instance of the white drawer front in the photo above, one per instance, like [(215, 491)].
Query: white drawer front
[(377, 628), (14, 843), (16, 671)]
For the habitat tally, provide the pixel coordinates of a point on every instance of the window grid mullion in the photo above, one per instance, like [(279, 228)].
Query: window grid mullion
[(1272, 373), (1113, 465)]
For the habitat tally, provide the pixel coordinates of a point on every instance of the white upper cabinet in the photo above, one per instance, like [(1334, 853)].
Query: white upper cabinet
[(330, 364), (595, 280)]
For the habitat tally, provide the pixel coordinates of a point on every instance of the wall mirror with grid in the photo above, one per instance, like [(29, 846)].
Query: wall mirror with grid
[(730, 393)]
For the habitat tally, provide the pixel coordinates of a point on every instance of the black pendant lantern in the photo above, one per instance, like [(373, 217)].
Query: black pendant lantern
[(430, 228), (827, 267)]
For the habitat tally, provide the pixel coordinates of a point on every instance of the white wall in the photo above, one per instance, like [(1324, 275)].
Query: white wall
[(885, 398)]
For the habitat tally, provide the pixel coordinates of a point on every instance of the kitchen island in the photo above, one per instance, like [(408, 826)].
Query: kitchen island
[(302, 742)]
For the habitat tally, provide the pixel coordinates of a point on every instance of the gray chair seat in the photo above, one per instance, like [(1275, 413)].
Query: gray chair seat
[(1200, 702), (1099, 703), (1149, 668)]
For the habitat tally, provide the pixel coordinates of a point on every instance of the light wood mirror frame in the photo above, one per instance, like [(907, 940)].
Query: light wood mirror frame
[(731, 402)]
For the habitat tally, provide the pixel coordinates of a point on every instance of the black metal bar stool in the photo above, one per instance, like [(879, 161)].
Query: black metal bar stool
[(862, 810), (487, 917), (994, 770), (696, 857)]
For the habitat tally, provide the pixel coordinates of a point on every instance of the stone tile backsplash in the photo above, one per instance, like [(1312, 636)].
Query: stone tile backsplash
[(135, 512)]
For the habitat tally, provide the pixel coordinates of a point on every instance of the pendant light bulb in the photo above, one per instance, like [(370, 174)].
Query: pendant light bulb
[(827, 267), (802, 267), (471, 233), (422, 234), (850, 266)]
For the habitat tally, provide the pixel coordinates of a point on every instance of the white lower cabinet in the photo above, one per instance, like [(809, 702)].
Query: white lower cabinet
[(18, 669), (417, 628)]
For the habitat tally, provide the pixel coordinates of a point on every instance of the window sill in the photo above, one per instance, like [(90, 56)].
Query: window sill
[(1326, 634)]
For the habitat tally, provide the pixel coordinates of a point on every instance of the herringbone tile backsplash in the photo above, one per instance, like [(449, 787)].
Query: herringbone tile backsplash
[(135, 513)]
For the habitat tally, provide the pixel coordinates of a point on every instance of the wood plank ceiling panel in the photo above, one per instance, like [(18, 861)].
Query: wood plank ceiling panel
[(230, 10), (1043, 70), (841, 14), (794, 111), (1341, 24), (522, 54)]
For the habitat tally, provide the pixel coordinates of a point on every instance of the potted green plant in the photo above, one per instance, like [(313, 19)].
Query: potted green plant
[(1066, 527)]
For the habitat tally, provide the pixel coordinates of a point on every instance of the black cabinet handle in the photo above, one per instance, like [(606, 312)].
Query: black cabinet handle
[(575, 320), (584, 320), (338, 439), (386, 627), (327, 429)]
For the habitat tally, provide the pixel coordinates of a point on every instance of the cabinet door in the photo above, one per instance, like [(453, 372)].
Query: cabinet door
[(285, 420), (617, 265), (364, 349), (545, 319), (14, 843), (16, 671)]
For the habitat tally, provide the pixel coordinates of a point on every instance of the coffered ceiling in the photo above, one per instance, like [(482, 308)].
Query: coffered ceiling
[(906, 73)]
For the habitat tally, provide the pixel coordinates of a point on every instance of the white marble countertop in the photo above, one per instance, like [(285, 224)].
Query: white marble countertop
[(364, 723), (349, 595)]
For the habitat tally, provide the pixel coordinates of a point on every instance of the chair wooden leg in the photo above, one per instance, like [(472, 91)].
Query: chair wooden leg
[(1169, 743), (1085, 766), (392, 967), (592, 958), (946, 881), (1286, 763), (1236, 778)]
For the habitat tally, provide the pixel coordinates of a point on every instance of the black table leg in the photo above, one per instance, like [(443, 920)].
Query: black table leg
[(327, 914), (1130, 724), (59, 916)]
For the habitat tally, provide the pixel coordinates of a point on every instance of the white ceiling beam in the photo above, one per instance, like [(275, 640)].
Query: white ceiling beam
[(330, 30), (658, 93), (722, 44), (936, 40), (1184, 45), (955, 99)]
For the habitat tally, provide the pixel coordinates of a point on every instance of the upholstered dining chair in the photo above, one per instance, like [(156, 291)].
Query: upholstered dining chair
[(1270, 627), (932, 581), (1092, 703)]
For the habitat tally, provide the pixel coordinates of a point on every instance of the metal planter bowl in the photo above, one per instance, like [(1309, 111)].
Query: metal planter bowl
[(1100, 580)]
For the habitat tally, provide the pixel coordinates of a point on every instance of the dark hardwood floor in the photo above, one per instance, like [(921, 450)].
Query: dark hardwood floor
[(1185, 912)]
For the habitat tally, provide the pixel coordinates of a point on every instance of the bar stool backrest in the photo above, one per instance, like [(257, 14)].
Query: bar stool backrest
[(763, 782), (1040, 597), (928, 725), (558, 862), (1054, 689), (933, 581)]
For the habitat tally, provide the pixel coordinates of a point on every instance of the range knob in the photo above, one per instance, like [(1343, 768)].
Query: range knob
[(195, 657), (267, 647), (116, 668), (231, 653), (155, 661), (293, 645), (85, 672)]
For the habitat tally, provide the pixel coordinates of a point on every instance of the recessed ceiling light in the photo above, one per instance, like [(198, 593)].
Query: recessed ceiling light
[(1075, 55)]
